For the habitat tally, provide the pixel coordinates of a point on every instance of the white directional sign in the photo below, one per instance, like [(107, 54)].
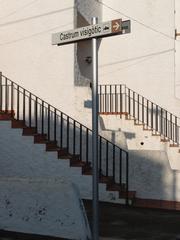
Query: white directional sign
[(88, 32)]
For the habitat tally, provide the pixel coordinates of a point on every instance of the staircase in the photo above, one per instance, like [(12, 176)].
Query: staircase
[(66, 137), (121, 100)]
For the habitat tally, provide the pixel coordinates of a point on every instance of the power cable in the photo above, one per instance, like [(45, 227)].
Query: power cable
[(36, 16), (35, 34), (136, 63), (43, 32), (137, 21), (136, 58), (19, 9)]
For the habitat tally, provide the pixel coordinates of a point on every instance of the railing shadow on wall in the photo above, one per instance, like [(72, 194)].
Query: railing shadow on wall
[(66, 133)]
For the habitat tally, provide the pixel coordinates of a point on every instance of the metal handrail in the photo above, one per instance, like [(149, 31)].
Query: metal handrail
[(118, 99), (64, 131)]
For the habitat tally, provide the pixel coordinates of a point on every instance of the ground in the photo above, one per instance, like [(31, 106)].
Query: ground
[(126, 223), (122, 223)]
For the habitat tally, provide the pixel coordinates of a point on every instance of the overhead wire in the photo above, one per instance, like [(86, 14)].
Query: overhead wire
[(35, 34), (35, 17), (136, 58), (19, 9), (136, 63), (137, 21), (44, 32)]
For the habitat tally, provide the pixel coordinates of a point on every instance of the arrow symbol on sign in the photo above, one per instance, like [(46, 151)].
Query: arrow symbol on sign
[(116, 26)]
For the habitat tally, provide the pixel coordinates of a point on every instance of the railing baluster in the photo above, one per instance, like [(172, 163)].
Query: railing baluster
[(171, 126), (113, 163), (67, 134), (42, 117), (24, 104), (100, 100), (143, 110), (55, 123), (138, 104), (129, 101), (176, 131), (127, 178), (107, 158), (121, 100), (1, 92), (110, 100), (126, 99), (120, 166), (36, 113), (12, 99), (48, 123), (166, 125), (61, 130), (74, 137), (30, 110), (134, 105), (80, 143), (152, 113), (157, 129), (17, 102), (116, 99), (105, 99), (6, 95), (87, 145), (147, 114), (100, 155), (161, 122)]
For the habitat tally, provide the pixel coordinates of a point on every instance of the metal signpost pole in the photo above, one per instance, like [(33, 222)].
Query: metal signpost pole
[(94, 31), (95, 181)]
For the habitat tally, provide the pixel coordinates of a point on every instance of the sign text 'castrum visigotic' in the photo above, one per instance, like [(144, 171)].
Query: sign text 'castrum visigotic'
[(113, 27)]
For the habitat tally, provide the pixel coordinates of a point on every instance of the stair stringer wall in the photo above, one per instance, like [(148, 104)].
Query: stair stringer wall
[(153, 166), (21, 158)]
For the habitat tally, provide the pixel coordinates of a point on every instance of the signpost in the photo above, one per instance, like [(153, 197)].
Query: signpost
[(106, 29), (93, 32)]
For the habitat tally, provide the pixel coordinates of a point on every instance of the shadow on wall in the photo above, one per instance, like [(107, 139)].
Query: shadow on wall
[(83, 56), (151, 176), (149, 171)]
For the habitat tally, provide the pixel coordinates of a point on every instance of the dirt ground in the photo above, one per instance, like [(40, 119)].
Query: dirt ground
[(122, 223)]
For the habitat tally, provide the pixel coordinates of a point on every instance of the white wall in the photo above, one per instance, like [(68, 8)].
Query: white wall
[(21, 158), (143, 59), (27, 56), (177, 48)]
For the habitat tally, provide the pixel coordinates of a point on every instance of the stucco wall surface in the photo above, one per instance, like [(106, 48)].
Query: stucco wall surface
[(21, 158), (154, 169), (177, 49), (42, 206), (27, 56), (143, 59)]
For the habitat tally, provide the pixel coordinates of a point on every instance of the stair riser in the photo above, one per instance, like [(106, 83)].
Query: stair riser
[(29, 131)]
